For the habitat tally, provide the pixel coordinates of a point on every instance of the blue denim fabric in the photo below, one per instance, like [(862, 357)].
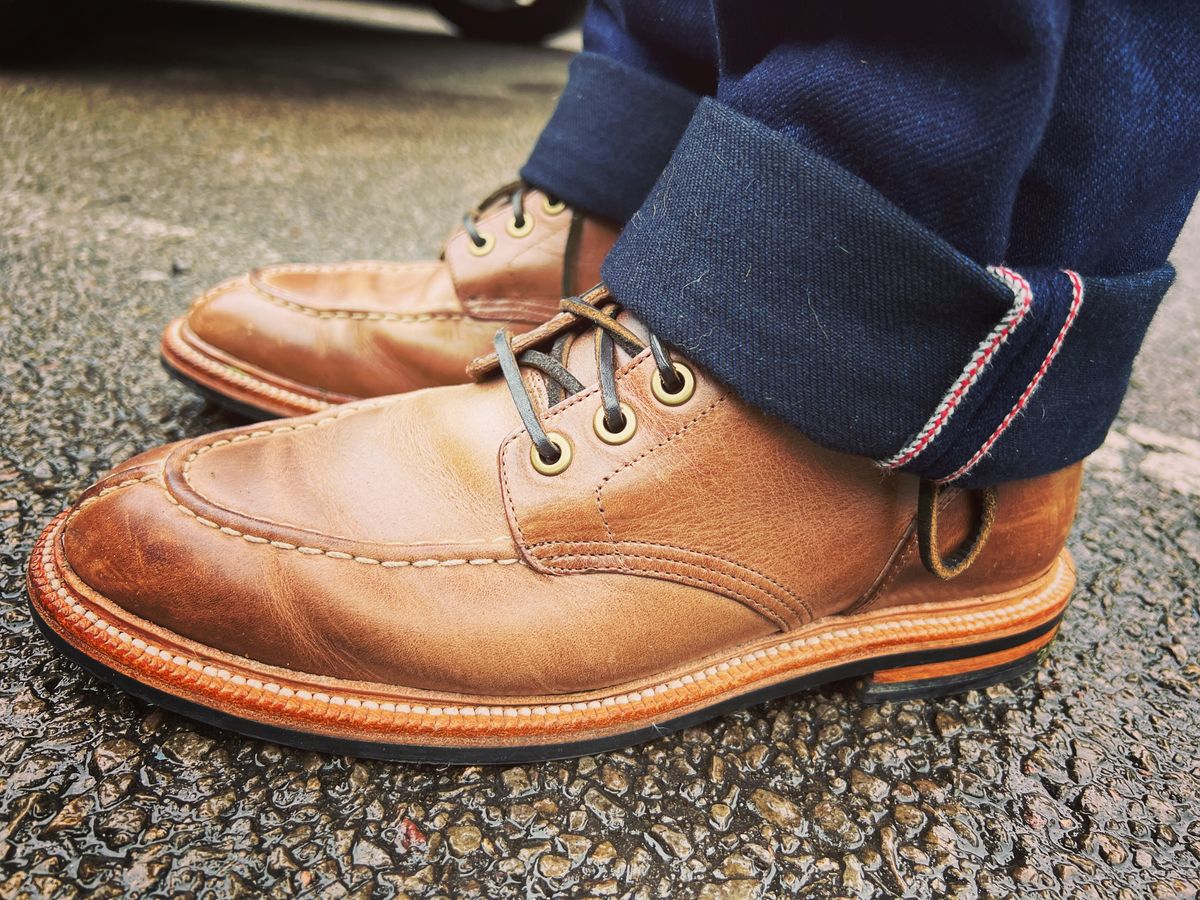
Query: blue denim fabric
[(675, 42), (1118, 166), (612, 133), (796, 298), (824, 243), (1035, 132), (852, 321), (939, 104)]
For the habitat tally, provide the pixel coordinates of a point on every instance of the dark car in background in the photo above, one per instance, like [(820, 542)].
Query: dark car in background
[(511, 20), (30, 28)]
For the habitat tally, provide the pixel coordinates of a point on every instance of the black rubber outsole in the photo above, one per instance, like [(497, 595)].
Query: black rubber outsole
[(480, 755), (236, 407)]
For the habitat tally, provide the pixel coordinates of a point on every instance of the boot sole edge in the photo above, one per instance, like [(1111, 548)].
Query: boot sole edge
[(236, 389), (946, 650)]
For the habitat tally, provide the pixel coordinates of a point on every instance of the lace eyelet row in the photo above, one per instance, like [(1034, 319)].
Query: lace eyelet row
[(600, 424), (514, 228)]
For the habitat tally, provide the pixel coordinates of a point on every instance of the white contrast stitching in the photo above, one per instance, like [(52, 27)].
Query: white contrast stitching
[(308, 551), (336, 414), (1047, 596), (267, 293), (217, 369), (357, 315), (336, 554)]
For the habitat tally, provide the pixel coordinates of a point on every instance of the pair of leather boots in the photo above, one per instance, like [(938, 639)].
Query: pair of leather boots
[(588, 544)]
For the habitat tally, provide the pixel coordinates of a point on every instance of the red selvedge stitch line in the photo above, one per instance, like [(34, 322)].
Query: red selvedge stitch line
[(1023, 300), (1023, 400)]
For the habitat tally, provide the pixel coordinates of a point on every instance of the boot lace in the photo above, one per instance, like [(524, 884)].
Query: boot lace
[(561, 383)]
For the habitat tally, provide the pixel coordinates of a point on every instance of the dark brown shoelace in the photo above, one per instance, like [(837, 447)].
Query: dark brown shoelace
[(560, 383)]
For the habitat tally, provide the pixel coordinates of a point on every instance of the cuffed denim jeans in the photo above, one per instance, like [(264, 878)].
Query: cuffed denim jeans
[(932, 233)]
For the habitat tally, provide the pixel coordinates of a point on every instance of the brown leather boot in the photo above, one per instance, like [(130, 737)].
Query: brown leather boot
[(287, 340), (559, 560)]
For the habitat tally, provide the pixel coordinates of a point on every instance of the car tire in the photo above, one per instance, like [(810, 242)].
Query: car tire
[(34, 30), (510, 22)]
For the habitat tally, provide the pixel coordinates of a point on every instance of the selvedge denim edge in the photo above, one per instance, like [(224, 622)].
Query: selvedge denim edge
[(821, 302)]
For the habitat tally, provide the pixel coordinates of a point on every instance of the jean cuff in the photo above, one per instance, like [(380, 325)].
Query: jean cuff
[(612, 132), (822, 303)]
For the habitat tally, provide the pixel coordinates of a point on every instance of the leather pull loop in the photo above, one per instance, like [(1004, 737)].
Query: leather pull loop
[(947, 567)]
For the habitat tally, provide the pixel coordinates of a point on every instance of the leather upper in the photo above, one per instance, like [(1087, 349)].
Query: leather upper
[(368, 328), (409, 540)]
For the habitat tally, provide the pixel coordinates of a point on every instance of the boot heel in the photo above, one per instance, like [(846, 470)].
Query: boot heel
[(957, 675)]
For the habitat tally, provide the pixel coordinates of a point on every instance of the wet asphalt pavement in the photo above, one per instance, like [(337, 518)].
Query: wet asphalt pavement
[(163, 157)]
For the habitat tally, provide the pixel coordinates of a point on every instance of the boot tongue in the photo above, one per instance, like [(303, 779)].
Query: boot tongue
[(580, 358), (498, 197)]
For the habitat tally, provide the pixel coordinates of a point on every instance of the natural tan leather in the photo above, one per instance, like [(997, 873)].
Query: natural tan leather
[(409, 541), (364, 329), (1033, 518)]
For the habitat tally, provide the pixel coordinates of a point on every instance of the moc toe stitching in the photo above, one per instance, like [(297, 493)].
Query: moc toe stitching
[(175, 576), (261, 281), (289, 536)]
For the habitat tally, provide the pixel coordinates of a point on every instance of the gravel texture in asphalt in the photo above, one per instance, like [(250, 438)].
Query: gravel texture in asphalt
[(198, 143)]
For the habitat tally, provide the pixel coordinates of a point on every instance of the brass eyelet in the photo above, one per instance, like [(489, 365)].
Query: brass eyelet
[(681, 396), (614, 437), (552, 208), (519, 231), (489, 241), (564, 455)]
